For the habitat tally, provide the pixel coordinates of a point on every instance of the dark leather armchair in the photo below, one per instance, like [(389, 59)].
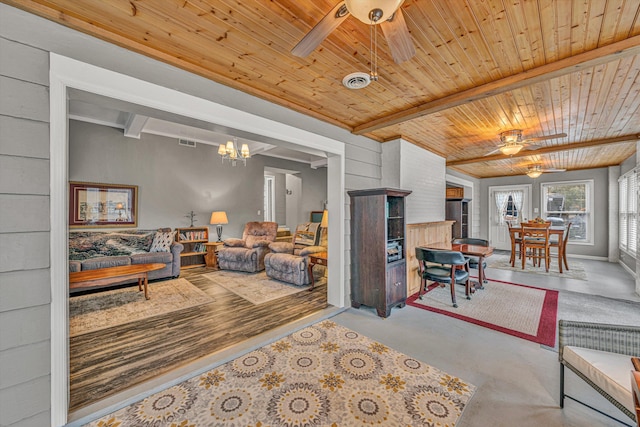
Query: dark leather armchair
[(247, 254), (443, 267), (473, 261)]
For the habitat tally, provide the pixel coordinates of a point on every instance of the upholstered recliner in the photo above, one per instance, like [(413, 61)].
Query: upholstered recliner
[(289, 262), (247, 254)]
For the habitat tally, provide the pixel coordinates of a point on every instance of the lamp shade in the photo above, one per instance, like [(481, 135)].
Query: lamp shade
[(324, 222), (361, 9), (219, 217)]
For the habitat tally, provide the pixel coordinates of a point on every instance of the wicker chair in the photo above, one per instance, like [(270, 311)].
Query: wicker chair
[(616, 345)]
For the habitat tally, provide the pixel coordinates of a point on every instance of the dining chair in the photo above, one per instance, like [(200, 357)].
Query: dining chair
[(516, 242), (561, 244), (443, 267), (535, 244), (473, 261)]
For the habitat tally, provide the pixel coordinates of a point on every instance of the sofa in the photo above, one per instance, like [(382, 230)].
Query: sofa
[(600, 354), (247, 254), (89, 250)]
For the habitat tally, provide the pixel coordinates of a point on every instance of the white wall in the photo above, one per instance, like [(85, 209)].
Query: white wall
[(409, 167)]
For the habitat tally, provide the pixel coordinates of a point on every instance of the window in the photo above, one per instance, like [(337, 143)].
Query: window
[(628, 211), (570, 202)]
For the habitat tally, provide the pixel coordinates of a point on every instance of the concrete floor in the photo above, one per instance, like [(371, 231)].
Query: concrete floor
[(517, 380)]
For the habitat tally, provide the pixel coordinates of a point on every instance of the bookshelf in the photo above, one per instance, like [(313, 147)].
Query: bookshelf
[(193, 239)]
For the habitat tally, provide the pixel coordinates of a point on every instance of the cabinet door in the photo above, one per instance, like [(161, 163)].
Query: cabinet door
[(396, 283)]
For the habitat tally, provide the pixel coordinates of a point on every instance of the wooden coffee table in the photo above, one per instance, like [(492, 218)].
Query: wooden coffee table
[(111, 275)]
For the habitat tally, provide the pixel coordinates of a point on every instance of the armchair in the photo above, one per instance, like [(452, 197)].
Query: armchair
[(289, 262), (443, 267), (247, 254)]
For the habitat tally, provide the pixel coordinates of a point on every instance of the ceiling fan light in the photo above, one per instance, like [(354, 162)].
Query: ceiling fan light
[(510, 149), (534, 173), (362, 9), (511, 136)]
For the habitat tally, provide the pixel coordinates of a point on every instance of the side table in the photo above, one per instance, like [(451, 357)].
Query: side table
[(319, 258), (211, 258)]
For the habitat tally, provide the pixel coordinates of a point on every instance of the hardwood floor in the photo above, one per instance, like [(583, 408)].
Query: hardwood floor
[(108, 361)]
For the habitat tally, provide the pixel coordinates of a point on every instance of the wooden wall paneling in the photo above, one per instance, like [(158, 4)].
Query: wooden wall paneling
[(418, 235)]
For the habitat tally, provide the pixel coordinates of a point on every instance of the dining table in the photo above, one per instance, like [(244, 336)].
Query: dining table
[(481, 252), (554, 230)]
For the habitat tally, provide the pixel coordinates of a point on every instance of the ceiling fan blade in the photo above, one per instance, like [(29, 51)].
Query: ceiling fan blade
[(544, 138), (528, 146), (398, 37), (496, 151), (330, 22), (554, 170)]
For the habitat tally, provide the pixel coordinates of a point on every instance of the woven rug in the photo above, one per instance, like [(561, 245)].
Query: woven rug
[(92, 312), (522, 311), (323, 375), (256, 288), (576, 269)]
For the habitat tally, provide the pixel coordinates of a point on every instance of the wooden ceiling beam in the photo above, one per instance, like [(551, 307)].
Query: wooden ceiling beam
[(547, 150), (572, 64)]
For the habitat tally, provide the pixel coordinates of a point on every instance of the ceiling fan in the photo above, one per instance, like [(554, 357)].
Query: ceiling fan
[(535, 171), (511, 142), (386, 13)]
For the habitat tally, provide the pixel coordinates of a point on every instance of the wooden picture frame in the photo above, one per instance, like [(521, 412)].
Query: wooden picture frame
[(93, 205)]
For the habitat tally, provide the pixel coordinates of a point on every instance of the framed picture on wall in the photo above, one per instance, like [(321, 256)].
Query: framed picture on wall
[(102, 205)]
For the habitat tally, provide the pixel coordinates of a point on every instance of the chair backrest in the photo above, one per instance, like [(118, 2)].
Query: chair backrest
[(442, 257), (471, 241), (536, 233), (255, 231)]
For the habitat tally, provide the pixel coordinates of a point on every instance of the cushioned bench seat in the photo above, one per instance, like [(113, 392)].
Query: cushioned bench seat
[(600, 354)]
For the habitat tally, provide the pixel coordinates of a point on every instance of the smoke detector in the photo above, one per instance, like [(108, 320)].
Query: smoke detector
[(356, 80)]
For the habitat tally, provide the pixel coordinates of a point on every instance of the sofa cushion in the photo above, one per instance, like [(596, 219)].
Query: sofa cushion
[(106, 261), (151, 257), (75, 266), (162, 241), (281, 247), (609, 371)]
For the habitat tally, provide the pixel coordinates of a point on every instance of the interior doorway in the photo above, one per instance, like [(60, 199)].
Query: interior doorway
[(507, 203)]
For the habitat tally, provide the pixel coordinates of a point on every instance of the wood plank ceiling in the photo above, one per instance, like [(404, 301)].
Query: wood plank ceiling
[(481, 67)]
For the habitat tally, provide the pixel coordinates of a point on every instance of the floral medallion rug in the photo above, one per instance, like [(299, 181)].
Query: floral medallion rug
[(322, 375)]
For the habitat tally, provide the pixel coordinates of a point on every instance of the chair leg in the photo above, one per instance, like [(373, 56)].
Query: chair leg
[(564, 258), (453, 294), (467, 288), (547, 259), (561, 385), (423, 283)]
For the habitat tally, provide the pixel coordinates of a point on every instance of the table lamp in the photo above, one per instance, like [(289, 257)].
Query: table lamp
[(219, 218)]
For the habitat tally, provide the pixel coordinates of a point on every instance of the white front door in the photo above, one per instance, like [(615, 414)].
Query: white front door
[(507, 203)]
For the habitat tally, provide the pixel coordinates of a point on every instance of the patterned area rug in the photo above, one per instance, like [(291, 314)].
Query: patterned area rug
[(576, 269), (256, 288), (323, 375), (92, 312), (522, 311)]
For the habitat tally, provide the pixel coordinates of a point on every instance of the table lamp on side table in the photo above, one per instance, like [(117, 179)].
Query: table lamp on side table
[(219, 218)]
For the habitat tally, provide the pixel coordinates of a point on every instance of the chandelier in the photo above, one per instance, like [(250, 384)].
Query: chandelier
[(230, 152), (511, 142)]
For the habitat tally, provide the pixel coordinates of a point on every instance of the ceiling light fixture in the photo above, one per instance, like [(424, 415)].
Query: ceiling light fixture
[(512, 142), (373, 12), (230, 152), (534, 171)]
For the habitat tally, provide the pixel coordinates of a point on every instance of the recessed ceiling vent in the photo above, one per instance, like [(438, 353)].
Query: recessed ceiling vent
[(187, 143), (356, 80)]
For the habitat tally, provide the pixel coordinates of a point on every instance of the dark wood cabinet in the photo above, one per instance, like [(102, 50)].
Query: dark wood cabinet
[(378, 249), (458, 211)]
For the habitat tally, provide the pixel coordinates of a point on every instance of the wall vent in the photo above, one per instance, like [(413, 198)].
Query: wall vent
[(187, 143)]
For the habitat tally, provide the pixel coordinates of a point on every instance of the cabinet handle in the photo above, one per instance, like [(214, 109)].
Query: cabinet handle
[(397, 284)]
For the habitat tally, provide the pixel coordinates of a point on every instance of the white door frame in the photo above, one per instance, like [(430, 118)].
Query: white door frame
[(66, 73), (528, 190)]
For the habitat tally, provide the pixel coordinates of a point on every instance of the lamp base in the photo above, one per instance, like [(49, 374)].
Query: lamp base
[(219, 231)]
